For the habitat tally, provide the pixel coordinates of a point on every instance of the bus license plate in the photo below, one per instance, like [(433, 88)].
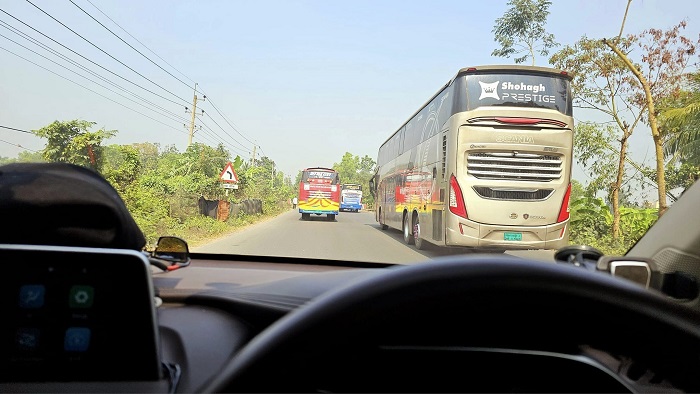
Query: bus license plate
[(512, 236)]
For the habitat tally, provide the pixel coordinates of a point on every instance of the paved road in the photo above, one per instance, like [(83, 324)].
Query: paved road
[(353, 236)]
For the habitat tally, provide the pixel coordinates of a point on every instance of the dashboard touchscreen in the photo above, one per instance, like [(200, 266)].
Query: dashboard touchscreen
[(76, 314)]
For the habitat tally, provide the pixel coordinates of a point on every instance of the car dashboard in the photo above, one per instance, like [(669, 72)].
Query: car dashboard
[(516, 339)]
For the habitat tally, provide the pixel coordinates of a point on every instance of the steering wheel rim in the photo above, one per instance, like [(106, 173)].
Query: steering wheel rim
[(438, 279)]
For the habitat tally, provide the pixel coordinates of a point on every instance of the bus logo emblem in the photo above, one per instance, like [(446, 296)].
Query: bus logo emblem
[(525, 216), (489, 90), (513, 215)]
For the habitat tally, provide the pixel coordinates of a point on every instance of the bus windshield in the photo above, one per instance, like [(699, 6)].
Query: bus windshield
[(519, 90), (320, 175)]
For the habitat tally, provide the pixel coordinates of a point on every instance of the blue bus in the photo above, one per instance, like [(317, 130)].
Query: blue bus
[(350, 197)]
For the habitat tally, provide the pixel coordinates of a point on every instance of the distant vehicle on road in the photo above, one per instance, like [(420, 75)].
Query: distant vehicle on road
[(319, 193), (350, 197)]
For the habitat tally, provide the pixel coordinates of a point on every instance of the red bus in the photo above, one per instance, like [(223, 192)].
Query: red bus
[(319, 193)]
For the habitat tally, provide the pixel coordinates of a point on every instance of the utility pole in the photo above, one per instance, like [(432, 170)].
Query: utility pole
[(194, 113), (252, 161)]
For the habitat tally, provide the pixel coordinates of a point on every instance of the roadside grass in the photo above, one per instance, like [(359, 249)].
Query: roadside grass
[(199, 230)]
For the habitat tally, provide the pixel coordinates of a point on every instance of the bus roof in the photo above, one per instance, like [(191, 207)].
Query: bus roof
[(319, 168), (483, 69), (514, 68)]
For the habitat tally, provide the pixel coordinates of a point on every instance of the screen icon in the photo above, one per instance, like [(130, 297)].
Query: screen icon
[(31, 296), (77, 339), (27, 338), (81, 296)]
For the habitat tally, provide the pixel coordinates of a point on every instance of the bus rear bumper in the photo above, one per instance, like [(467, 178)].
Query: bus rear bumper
[(318, 212), (473, 234)]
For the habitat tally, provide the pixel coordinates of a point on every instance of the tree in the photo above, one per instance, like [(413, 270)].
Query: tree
[(348, 168), (72, 142), (665, 55), (602, 82), (520, 31), (680, 119), (122, 166), (353, 169)]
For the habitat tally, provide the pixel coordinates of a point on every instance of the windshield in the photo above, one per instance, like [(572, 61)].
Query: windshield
[(519, 91), (236, 125)]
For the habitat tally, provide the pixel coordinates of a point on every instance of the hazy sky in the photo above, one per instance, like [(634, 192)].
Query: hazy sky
[(305, 80)]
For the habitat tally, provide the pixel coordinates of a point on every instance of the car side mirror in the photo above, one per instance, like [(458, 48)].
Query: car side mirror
[(173, 250)]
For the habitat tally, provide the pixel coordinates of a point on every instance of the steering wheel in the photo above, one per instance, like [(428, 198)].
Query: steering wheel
[(472, 302)]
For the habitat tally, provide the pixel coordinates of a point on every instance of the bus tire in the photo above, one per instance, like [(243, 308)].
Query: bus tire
[(330, 217), (417, 240), (407, 230), (305, 216), (381, 220)]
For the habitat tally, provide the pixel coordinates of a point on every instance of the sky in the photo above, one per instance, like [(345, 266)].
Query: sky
[(306, 81)]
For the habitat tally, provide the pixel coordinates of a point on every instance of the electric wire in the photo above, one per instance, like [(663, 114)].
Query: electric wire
[(76, 64), (73, 71), (209, 130), (45, 47), (150, 60), (90, 60), (130, 46), (87, 88), (105, 52), (137, 40), (227, 121), (20, 130), (19, 146), (95, 82), (222, 129)]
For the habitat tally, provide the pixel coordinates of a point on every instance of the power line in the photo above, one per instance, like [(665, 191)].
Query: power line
[(137, 40), (65, 58), (227, 121), (226, 132), (12, 128), (140, 53), (221, 140), (89, 60), (130, 46), (159, 66), (19, 146), (103, 51), (96, 83), (71, 61), (214, 139), (85, 87)]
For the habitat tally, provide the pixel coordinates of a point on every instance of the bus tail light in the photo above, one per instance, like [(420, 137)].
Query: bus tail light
[(565, 208), (456, 199)]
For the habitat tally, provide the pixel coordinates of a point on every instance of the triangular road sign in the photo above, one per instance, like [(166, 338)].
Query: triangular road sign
[(229, 174)]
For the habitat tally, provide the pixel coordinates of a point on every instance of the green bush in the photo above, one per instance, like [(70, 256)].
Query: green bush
[(591, 224)]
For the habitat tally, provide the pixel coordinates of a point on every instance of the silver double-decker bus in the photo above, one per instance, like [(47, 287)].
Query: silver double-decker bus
[(485, 163)]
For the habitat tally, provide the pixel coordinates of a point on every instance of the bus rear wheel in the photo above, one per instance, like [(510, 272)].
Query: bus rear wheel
[(407, 230), (305, 216), (420, 244), (381, 220), (330, 217)]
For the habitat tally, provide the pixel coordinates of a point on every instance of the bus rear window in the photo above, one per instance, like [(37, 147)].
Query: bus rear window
[(320, 177), (519, 90)]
